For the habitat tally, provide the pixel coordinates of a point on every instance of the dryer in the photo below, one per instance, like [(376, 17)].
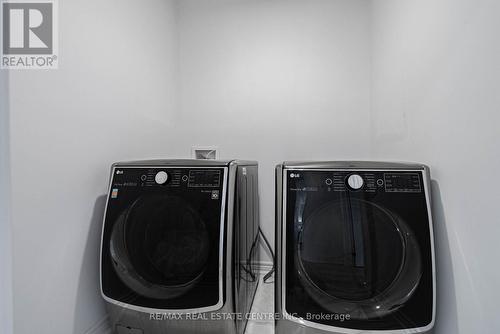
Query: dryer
[(178, 250), (355, 251)]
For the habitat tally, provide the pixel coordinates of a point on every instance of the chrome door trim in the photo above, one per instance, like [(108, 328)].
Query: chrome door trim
[(220, 303), (426, 181)]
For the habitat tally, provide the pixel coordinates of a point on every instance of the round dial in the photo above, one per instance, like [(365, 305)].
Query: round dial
[(161, 177), (355, 181)]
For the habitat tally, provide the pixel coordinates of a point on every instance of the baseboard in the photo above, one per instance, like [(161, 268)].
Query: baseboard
[(100, 327)]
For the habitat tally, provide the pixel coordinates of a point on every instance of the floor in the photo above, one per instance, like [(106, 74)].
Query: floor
[(262, 321)]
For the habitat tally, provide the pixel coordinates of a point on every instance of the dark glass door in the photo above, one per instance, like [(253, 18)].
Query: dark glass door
[(161, 244), (353, 252)]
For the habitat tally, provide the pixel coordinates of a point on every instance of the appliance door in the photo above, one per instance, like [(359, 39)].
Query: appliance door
[(349, 255), (357, 258), (162, 244)]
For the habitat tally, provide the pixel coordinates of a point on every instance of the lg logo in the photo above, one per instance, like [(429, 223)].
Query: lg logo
[(28, 28)]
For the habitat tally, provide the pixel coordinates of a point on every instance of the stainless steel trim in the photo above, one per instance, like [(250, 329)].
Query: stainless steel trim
[(184, 162), (282, 244), (358, 169), (173, 162), (278, 237), (351, 165), (220, 303)]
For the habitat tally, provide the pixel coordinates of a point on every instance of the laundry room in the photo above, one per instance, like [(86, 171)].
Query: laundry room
[(249, 166)]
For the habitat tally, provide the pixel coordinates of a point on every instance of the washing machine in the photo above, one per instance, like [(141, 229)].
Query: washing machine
[(355, 251), (178, 251)]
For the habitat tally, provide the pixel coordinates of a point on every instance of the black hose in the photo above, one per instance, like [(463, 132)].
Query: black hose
[(268, 245)]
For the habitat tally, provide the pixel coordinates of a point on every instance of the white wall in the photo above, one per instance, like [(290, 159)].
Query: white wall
[(273, 81), (111, 99), (436, 99), (5, 224)]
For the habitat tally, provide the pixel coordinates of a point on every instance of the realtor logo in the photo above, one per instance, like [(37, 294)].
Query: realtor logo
[(29, 34)]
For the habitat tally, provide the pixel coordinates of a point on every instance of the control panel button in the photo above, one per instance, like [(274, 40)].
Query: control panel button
[(161, 177), (328, 182), (380, 182), (355, 181)]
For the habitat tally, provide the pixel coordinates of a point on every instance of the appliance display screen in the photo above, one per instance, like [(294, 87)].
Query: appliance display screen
[(402, 182), (204, 178)]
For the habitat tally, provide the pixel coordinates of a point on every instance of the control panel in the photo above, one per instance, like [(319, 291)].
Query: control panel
[(168, 177), (364, 181)]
